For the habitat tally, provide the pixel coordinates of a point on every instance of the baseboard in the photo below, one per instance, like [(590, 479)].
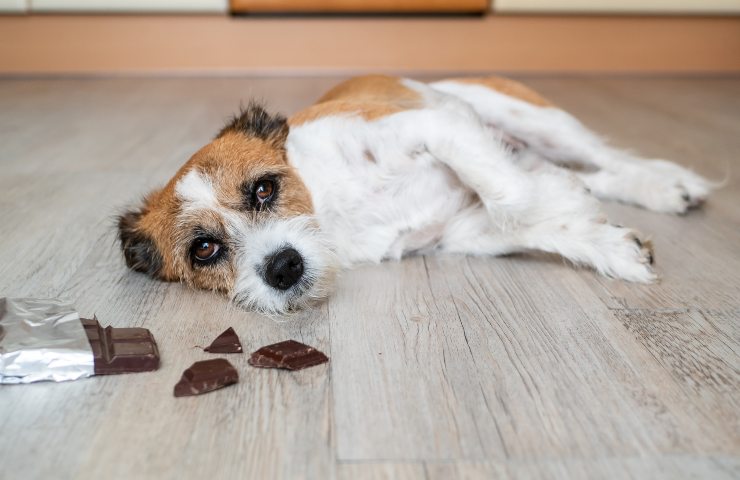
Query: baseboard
[(61, 45)]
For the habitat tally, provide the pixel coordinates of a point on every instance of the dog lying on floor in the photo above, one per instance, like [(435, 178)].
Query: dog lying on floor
[(382, 167)]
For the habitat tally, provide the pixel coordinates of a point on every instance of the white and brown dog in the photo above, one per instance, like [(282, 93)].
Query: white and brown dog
[(382, 167)]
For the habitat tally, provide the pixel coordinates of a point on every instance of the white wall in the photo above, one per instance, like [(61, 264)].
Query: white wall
[(618, 6), (125, 6), (13, 6)]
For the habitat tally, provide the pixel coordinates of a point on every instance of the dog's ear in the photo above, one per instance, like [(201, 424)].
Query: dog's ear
[(138, 248), (254, 121)]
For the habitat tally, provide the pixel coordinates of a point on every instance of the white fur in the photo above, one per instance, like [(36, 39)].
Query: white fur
[(372, 210), (443, 178), (253, 243), (555, 135), (196, 191)]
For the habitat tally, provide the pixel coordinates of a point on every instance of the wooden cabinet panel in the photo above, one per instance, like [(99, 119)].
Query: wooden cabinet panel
[(358, 6), (617, 6)]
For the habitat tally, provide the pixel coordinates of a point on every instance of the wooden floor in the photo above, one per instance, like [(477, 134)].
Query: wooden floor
[(441, 367)]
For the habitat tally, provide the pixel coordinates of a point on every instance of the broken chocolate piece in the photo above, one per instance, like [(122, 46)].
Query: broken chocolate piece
[(206, 376), (227, 342), (121, 350), (290, 355)]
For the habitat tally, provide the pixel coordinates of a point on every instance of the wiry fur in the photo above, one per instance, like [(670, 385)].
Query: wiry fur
[(253, 244), (138, 248), (255, 121), (396, 167)]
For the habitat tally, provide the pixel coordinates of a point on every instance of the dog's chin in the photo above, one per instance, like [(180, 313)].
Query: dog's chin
[(309, 292), (289, 305), (286, 304)]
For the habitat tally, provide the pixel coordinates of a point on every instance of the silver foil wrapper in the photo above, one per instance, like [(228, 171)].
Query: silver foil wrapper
[(42, 339)]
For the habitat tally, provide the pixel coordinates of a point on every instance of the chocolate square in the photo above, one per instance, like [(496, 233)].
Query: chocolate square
[(289, 355), (121, 350), (206, 376)]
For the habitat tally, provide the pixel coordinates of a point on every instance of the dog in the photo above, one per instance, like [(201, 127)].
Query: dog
[(382, 167)]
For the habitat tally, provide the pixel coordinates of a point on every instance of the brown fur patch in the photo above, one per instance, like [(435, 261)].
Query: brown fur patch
[(371, 97), (507, 87), (366, 110), (374, 88)]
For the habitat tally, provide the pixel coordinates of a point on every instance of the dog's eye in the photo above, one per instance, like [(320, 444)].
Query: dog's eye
[(205, 250), (261, 193), (264, 191)]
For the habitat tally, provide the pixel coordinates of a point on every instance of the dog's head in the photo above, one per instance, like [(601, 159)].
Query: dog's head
[(236, 218)]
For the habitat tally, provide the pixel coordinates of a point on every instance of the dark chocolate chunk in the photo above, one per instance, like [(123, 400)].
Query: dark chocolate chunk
[(121, 350), (290, 355), (206, 376), (227, 342)]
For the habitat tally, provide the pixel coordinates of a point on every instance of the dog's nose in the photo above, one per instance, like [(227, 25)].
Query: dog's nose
[(284, 269)]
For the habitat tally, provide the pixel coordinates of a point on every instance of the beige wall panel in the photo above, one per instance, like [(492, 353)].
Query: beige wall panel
[(88, 44)]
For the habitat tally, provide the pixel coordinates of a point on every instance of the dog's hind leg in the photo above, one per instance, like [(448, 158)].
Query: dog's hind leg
[(582, 238), (547, 209), (556, 136)]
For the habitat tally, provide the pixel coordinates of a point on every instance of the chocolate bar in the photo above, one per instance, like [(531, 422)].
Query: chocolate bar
[(206, 376), (289, 355), (121, 350), (227, 342)]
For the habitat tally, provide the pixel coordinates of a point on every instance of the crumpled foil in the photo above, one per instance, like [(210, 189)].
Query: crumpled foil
[(42, 339)]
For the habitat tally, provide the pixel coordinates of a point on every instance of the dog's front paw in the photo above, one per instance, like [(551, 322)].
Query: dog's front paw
[(627, 255)]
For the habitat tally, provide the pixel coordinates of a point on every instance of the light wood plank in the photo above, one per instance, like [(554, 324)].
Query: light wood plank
[(441, 367), (664, 467), (659, 468), (504, 374), (381, 471)]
